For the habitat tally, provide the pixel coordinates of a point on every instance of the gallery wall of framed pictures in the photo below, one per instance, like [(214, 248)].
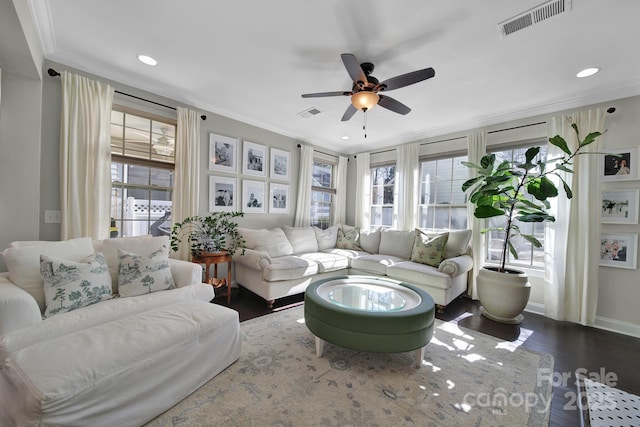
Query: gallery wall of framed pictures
[(261, 176), (620, 206)]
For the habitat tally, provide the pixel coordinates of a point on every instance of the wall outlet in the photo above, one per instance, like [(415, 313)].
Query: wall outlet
[(52, 217)]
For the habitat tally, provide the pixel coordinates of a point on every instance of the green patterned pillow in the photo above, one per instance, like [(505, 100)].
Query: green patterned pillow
[(429, 251), (139, 274), (348, 239), (69, 285)]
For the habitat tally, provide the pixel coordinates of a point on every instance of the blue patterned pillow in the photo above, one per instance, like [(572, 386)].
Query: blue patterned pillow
[(69, 285), (138, 275)]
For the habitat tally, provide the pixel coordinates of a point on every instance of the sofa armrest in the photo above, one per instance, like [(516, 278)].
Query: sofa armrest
[(18, 309), (456, 265), (185, 273), (253, 259)]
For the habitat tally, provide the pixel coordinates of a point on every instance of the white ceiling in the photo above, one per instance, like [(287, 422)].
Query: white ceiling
[(252, 59)]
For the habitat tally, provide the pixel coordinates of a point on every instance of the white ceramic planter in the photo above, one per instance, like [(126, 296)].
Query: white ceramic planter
[(503, 295)]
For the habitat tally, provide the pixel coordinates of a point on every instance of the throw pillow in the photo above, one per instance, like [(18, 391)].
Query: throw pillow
[(326, 238), (69, 285), (348, 239), (138, 274), (429, 251)]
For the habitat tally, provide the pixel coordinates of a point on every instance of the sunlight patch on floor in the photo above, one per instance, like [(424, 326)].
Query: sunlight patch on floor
[(513, 345), (453, 328)]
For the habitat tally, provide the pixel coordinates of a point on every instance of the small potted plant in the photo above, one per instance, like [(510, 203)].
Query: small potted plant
[(501, 190), (212, 233)]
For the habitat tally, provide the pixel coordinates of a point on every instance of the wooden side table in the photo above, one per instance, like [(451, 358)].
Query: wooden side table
[(215, 258)]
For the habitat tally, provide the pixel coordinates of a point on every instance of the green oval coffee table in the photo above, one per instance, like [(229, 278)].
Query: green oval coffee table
[(368, 313)]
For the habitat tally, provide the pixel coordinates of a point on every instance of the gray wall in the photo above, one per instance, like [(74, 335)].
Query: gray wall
[(618, 288)]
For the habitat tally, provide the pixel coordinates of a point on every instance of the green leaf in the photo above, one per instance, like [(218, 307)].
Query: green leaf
[(469, 183), (542, 188), (559, 142), (535, 242), (487, 161), (487, 212), (590, 139), (531, 153), (512, 250)]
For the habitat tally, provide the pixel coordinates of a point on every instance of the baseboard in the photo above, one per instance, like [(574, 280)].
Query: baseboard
[(618, 326), (535, 307)]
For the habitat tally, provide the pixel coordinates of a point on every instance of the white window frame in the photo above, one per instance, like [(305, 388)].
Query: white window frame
[(428, 203), (134, 216), (316, 206), (377, 209)]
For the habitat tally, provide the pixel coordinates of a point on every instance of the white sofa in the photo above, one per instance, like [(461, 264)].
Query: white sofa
[(121, 361), (283, 261)]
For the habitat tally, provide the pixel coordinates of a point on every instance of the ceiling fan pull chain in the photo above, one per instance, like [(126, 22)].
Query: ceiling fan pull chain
[(364, 122)]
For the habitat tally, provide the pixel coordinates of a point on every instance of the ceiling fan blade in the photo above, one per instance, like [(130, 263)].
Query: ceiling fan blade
[(353, 68), (407, 79), (351, 110), (393, 105), (321, 94)]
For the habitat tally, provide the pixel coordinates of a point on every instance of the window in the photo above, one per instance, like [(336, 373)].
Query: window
[(322, 194), (442, 203), (142, 165), (528, 255), (383, 179)]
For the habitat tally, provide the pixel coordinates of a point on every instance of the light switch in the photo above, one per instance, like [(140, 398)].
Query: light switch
[(52, 217)]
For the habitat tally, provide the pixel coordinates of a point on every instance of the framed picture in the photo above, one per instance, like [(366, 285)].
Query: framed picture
[(280, 164), (279, 198), (619, 250), (223, 153), (620, 164), (253, 196), (620, 206), (223, 193), (254, 159)]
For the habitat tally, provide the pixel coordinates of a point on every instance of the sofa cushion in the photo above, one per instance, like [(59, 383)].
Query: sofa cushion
[(374, 263), (139, 274), (302, 239), (69, 285), (274, 241), (457, 244), (370, 240), (327, 261), (348, 239), (326, 238), (419, 274), (429, 250), (288, 268), (23, 262), (398, 243), (140, 245)]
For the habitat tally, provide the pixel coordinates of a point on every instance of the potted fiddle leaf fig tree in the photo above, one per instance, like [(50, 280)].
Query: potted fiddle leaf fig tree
[(518, 192), (215, 232)]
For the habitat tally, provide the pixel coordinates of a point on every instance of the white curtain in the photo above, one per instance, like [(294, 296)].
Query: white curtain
[(85, 157), (476, 148), (340, 213), (572, 242), (186, 186), (407, 186), (363, 191), (303, 204)]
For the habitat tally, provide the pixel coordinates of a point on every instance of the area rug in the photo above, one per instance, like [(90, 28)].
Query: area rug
[(467, 379)]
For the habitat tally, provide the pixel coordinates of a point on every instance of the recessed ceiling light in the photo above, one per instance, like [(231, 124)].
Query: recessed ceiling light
[(587, 72), (145, 59), (345, 137)]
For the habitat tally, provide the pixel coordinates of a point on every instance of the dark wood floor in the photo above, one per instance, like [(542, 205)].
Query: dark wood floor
[(572, 346)]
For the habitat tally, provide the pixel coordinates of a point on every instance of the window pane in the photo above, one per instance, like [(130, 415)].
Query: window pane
[(321, 175), (161, 177), (137, 175), (458, 218)]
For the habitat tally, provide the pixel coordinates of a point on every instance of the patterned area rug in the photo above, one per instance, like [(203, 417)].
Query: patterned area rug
[(467, 379)]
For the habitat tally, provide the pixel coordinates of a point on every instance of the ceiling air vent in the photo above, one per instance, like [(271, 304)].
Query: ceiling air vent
[(533, 16), (308, 113)]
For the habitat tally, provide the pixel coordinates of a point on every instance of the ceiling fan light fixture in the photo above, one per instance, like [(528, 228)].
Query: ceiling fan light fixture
[(163, 146), (364, 100), (587, 72), (146, 59)]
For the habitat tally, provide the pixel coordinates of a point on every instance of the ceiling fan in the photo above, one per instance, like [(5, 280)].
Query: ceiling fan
[(365, 93)]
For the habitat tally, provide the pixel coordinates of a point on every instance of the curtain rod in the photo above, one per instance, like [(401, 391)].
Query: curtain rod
[(610, 110), (54, 73), (322, 152)]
